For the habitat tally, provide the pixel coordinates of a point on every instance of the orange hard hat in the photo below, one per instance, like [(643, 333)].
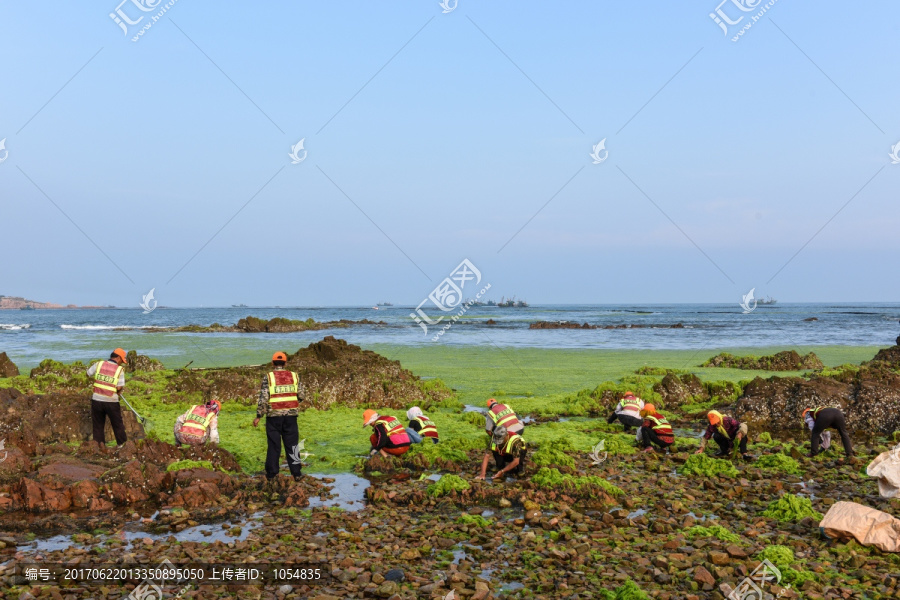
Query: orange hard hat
[(121, 354), (369, 415), (714, 417), (629, 394), (490, 401), (215, 403), (805, 410), (648, 408), (279, 357)]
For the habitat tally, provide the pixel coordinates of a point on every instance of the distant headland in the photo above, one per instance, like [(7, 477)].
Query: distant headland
[(18, 303)]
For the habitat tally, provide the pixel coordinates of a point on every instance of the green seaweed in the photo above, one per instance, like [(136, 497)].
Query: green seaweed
[(791, 508), (447, 484), (716, 531), (549, 478), (627, 591), (476, 520), (190, 464), (779, 462), (705, 465), (553, 453)]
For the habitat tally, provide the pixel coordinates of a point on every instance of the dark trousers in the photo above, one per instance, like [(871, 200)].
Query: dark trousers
[(650, 437), (281, 430), (99, 412), (626, 420), (830, 418), (726, 445), (502, 460)]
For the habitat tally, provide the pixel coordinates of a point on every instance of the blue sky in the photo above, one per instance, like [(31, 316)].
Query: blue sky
[(435, 137)]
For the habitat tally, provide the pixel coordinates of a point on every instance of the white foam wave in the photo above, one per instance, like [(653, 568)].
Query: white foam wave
[(107, 327), (14, 327)]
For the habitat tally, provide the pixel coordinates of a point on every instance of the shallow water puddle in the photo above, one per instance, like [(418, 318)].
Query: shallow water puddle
[(639, 512), (349, 491)]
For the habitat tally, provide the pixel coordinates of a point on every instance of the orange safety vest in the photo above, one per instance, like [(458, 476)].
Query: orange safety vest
[(395, 430), (428, 428), (507, 448), (502, 415), (660, 424), (106, 378), (283, 390), (197, 421)]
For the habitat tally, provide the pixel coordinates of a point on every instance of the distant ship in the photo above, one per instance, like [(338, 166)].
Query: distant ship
[(512, 303), (491, 303), (384, 304), (767, 301), (238, 306), (29, 307)]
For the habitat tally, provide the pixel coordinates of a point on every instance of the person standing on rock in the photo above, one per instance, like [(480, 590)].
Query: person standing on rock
[(655, 429), (388, 437), (198, 425), (509, 453), (279, 401), (819, 419), (421, 426), (109, 381), (628, 411), (726, 431)]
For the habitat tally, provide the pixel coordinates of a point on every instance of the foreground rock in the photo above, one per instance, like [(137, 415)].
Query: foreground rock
[(789, 360)]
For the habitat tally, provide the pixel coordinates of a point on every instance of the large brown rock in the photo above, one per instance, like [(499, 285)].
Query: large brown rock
[(7, 367), (139, 362), (788, 360), (869, 398), (331, 371), (13, 463), (676, 390)]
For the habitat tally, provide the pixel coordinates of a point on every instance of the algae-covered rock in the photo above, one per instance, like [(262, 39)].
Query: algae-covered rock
[(789, 360), (549, 478)]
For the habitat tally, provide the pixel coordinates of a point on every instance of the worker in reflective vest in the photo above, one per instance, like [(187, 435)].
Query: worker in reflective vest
[(727, 432), (509, 453), (655, 429), (420, 426), (198, 425), (627, 411), (501, 415), (388, 437), (822, 418), (108, 381), (279, 401)]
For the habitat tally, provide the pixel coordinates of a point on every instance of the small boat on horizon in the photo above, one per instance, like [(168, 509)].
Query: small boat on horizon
[(384, 304), (238, 306), (767, 301)]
